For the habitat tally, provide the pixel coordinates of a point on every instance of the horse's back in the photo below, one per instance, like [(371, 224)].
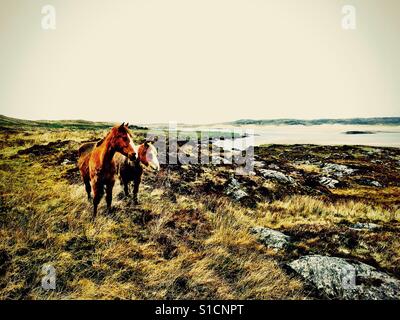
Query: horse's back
[(125, 168), (86, 148), (120, 162)]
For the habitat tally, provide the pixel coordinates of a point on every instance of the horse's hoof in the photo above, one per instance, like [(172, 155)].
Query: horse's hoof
[(110, 211)]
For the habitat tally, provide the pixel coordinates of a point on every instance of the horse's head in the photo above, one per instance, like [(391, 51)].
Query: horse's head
[(122, 141), (147, 155)]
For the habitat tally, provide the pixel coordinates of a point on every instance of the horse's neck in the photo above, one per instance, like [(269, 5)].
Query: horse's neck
[(140, 155), (107, 152)]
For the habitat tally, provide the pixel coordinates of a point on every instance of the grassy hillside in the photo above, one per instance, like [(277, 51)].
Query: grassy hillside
[(7, 122), (189, 238)]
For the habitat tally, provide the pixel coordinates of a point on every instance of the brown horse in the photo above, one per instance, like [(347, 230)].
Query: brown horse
[(129, 170), (97, 166)]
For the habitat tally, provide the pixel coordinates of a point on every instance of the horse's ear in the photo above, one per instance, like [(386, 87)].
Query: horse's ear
[(127, 125), (152, 140), (121, 128)]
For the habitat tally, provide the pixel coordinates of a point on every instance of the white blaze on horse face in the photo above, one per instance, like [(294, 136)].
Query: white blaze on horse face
[(136, 149), (151, 157), (132, 145)]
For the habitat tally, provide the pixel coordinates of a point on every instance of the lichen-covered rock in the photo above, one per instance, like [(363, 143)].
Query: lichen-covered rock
[(65, 162), (328, 182), (339, 278), (235, 191), (271, 238), (273, 166), (277, 175), (337, 170), (365, 226), (369, 182), (375, 184), (258, 164)]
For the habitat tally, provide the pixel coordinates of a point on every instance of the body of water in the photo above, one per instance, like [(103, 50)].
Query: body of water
[(318, 134)]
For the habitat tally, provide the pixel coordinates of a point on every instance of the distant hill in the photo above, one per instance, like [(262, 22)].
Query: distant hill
[(8, 122), (392, 121)]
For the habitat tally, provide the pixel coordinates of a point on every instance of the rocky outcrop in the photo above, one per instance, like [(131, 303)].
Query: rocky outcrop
[(337, 170), (258, 164), (369, 182), (375, 184), (273, 166), (271, 238), (338, 278), (235, 191), (328, 182), (365, 226), (66, 162), (276, 175)]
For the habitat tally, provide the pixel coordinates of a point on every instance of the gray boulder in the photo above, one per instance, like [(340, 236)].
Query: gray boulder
[(338, 278), (271, 238), (359, 226), (235, 191), (369, 182), (328, 182), (277, 175), (258, 164), (273, 166), (66, 162), (376, 184), (337, 170)]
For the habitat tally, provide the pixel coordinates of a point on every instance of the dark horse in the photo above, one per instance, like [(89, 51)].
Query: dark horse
[(129, 170), (97, 166)]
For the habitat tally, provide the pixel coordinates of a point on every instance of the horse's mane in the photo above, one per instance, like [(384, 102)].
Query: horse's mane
[(100, 142)]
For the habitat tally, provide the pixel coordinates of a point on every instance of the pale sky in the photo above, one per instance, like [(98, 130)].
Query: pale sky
[(204, 61)]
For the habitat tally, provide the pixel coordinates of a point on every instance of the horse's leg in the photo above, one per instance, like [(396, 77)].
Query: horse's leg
[(109, 188), (136, 182), (122, 175), (97, 195), (88, 188), (126, 188), (84, 170)]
